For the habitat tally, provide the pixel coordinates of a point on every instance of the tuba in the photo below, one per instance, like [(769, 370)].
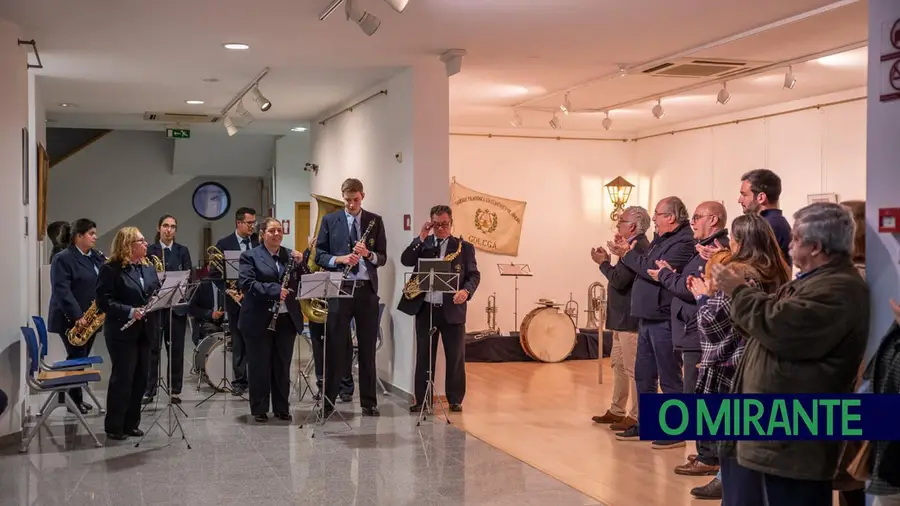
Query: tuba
[(316, 310), (596, 311), (413, 287), (572, 310), (216, 260)]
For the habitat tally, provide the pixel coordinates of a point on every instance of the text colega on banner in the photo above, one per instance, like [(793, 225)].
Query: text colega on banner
[(491, 223)]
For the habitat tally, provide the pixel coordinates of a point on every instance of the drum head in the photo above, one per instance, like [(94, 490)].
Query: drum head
[(548, 335), (218, 366)]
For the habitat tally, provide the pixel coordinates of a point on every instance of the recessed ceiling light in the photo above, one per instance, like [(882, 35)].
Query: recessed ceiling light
[(194, 102), (65, 104), (236, 46), (298, 129)]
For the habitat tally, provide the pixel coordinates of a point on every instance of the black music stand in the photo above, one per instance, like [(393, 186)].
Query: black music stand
[(434, 277), (307, 369), (174, 293), (325, 285), (517, 271), (164, 380), (232, 272)]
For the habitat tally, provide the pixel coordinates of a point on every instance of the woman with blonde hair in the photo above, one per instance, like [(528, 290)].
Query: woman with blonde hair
[(756, 255), (125, 285)]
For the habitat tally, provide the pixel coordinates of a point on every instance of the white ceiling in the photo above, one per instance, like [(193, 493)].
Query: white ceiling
[(117, 60)]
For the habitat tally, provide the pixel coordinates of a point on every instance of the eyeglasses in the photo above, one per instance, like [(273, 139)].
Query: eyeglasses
[(441, 224), (140, 241), (168, 226), (248, 223), (698, 216)]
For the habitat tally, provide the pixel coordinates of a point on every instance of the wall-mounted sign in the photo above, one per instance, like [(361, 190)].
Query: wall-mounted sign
[(286, 226), (178, 133), (890, 63)]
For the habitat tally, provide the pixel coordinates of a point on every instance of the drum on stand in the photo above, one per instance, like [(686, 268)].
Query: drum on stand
[(209, 359), (547, 334)]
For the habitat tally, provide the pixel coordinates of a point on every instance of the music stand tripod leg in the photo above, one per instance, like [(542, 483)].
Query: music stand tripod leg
[(428, 401), (318, 409), (224, 385)]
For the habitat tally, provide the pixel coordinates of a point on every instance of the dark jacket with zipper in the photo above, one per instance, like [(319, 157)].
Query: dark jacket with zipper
[(685, 334), (649, 300), (620, 280)]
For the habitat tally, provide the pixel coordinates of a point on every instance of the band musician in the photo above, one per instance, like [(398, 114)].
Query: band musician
[(125, 285), (207, 310), (446, 312), (317, 340), (73, 281), (174, 257), (341, 243), (262, 272), (243, 239)]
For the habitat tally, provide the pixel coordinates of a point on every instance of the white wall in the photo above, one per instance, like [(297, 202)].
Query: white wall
[(567, 213), (243, 192), (14, 258), (411, 119), (38, 125), (292, 183), (883, 176), (814, 151), (217, 154), (117, 177)]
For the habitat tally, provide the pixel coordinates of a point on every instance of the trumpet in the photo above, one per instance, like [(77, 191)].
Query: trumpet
[(572, 309), (491, 311)]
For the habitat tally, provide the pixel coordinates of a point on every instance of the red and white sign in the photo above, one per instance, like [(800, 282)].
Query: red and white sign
[(286, 225), (890, 63)]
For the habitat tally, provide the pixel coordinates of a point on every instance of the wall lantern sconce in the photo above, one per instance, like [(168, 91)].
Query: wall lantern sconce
[(619, 192), (311, 167)]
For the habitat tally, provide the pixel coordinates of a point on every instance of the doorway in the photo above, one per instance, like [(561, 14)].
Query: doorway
[(301, 226)]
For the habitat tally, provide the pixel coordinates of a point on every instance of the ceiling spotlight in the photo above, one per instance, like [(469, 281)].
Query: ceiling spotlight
[(367, 22), (397, 5), (516, 121), (566, 106), (789, 80), (66, 104), (194, 102), (453, 61), (658, 111), (298, 129), (236, 46), (229, 126), (261, 101), (723, 97), (607, 122), (554, 122)]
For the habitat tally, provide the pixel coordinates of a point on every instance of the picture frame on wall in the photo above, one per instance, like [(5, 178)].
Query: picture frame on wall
[(25, 160), (812, 198), (43, 168)]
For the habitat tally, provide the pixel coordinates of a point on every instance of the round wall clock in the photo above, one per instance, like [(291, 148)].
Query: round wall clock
[(211, 200)]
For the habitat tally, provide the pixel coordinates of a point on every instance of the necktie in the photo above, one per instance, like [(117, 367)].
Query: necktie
[(354, 238), (438, 243), (246, 243), (278, 265)]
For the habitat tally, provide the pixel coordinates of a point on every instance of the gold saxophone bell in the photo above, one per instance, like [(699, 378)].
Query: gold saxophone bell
[(316, 310), (413, 287), (79, 335), (157, 263)]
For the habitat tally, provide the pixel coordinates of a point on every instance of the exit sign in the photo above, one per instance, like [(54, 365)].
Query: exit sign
[(178, 133)]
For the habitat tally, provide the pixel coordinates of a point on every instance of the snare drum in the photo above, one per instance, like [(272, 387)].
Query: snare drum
[(547, 335), (213, 357)]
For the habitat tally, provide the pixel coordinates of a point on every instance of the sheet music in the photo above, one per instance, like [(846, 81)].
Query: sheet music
[(232, 262)]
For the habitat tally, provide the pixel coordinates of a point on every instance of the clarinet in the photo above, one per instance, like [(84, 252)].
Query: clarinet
[(362, 240), (284, 282)]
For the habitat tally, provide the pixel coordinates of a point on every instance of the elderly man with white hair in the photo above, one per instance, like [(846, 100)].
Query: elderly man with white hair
[(808, 337)]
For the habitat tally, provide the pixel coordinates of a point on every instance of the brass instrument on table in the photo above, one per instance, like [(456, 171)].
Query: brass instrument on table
[(491, 310), (412, 289), (316, 310), (571, 309), (79, 335), (216, 260), (596, 311)]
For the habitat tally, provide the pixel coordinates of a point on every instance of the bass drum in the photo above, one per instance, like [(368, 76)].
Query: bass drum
[(213, 357), (547, 335)]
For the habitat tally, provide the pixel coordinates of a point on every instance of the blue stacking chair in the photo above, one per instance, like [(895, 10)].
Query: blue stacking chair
[(75, 364), (53, 383)]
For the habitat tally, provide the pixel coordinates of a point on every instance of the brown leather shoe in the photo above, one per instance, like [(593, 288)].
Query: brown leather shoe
[(712, 490), (607, 417), (696, 468), (624, 425)]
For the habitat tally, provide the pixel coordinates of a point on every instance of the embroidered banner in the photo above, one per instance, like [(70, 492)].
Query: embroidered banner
[(491, 223)]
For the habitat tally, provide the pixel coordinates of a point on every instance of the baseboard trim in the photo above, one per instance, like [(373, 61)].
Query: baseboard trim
[(11, 439), (398, 392)]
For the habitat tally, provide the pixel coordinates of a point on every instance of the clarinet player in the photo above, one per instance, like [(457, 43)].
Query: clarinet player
[(263, 282), (124, 286), (73, 280)]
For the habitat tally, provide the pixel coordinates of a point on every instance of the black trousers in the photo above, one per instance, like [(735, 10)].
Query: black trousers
[(706, 450), (269, 363), (239, 359), (363, 307), (73, 352), (178, 326), (745, 487), (316, 337), (453, 337), (127, 383)]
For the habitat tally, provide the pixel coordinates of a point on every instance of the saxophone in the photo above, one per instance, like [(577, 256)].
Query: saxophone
[(412, 289), (79, 335)]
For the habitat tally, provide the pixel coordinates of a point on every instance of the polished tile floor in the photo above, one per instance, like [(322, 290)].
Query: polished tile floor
[(233, 460)]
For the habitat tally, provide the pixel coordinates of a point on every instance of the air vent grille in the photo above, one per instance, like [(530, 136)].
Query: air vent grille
[(700, 68), (174, 117)]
